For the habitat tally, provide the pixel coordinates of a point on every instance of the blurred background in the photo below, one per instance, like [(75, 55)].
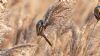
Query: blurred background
[(18, 14), (18, 19)]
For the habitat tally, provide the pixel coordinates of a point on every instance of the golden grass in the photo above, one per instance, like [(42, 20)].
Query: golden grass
[(78, 36)]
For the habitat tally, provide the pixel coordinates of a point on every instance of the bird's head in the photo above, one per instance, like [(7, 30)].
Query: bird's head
[(97, 12), (39, 27)]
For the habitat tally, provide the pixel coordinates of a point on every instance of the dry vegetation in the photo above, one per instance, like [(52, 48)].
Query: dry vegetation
[(74, 32)]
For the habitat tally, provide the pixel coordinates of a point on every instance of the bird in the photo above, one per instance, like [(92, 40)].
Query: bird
[(97, 12), (40, 27), (55, 17), (97, 16)]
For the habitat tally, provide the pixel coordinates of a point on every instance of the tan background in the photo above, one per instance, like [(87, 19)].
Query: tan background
[(17, 27)]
